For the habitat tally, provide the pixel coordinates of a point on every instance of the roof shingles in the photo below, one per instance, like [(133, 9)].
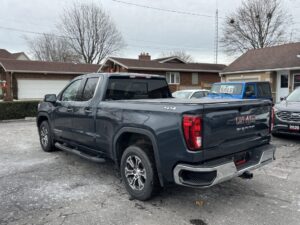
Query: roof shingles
[(46, 67), (270, 58), (135, 64)]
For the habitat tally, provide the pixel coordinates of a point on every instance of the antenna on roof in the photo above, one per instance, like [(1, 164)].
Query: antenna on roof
[(216, 33)]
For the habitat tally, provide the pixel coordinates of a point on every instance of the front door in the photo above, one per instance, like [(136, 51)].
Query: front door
[(63, 113), (282, 84), (84, 112)]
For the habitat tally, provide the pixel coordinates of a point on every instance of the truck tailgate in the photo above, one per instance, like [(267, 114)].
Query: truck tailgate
[(233, 127)]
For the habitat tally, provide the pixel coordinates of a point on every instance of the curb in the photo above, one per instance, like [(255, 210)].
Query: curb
[(26, 119)]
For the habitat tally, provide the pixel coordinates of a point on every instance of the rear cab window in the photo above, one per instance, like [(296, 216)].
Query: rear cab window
[(121, 88), (226, 88)]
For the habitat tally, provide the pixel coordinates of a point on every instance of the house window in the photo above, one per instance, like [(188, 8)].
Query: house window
[(195, 78), (296, 81), (173, 77), (284, 81)]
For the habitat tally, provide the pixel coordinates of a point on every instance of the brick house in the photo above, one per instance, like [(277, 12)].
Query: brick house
[(25, 79), (179, 74), (280, 65)]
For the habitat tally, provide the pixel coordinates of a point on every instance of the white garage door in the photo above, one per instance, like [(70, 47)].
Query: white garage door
[(36, 89)]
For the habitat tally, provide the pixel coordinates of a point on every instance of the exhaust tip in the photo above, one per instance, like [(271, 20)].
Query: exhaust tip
[(247, 175)]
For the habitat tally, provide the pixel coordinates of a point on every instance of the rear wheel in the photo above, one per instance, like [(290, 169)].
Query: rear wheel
[(138, 172), (46, 137)]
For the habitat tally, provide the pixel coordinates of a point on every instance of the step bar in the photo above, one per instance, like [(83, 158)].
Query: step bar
[(78, 153)]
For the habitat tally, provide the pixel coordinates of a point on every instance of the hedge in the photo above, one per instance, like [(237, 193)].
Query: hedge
[(18, 109)]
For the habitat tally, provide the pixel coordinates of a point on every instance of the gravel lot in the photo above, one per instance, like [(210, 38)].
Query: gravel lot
[(59, 188)]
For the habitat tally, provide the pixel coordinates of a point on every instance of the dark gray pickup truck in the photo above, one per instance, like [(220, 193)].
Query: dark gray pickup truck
[(156, 140)]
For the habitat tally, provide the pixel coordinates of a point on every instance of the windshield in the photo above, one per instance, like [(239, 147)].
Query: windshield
[(232, 89), (294, 96), (181, 94)]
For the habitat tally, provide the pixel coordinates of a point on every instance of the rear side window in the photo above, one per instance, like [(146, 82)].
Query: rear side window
[(136, 88), (89, 88), (264, 90)]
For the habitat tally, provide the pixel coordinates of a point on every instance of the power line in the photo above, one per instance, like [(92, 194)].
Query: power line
[(166, 10), (33, 32), (132, 45)]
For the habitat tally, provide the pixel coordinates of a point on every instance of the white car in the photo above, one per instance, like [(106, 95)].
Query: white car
[(188, 94)]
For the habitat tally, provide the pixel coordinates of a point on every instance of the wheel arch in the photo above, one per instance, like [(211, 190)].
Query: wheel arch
[(143, 132), (42, 117)]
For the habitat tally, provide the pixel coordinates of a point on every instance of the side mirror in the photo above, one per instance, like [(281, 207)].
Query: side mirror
[(50, 98), (282, 98)]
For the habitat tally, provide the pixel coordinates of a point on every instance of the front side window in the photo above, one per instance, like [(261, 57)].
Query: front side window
[(250, 90), (173, 77), (70, 93), (89, 88)]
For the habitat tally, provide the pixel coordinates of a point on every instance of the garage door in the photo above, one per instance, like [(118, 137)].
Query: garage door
[(36, 89)]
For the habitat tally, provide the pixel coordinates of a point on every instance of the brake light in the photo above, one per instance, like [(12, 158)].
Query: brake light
[(192, 129)]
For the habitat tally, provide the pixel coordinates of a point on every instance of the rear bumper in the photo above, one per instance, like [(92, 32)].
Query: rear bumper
[(218, 171)]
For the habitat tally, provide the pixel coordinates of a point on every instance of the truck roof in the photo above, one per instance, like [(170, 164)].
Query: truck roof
[(123, 74), (241, 82)]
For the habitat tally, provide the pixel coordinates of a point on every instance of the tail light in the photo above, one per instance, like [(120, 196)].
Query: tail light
[(192, 129)]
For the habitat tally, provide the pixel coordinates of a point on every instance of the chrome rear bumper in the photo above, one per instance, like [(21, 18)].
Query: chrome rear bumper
[(219, 172)]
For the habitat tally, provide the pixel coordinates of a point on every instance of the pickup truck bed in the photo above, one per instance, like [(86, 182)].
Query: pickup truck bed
[(196, 142)]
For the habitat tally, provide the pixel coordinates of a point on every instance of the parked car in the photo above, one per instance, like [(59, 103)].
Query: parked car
[(156, 140), (241, 90), (188, 94), (287, 115)]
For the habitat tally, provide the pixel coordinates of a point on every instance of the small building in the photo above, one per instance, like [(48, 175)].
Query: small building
[(179, 74), (26, 79), (279, 65)]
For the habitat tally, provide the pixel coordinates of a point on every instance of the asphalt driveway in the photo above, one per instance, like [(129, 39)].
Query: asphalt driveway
[(59, 188)]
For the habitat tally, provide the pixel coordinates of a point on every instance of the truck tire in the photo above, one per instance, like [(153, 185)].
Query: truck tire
[(46, 137), (138, 172)]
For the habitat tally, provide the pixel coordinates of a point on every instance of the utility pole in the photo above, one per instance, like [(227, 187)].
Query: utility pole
[(216, 33)]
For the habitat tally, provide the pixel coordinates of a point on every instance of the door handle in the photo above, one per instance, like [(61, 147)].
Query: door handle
[(88, 110)]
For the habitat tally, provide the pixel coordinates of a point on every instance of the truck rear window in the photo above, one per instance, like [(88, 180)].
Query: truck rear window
[(136, 88), (235, 89)]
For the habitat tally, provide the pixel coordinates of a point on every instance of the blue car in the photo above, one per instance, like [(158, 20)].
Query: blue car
[(241, 90)]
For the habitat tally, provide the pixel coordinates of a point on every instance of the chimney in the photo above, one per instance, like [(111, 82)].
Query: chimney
[(144, 56)]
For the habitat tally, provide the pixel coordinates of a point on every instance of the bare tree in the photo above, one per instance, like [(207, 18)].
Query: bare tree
[(180, 54), (256, 24), (50, 47), (92, 33)]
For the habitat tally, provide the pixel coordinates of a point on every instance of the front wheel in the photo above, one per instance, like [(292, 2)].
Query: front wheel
[(138, 172), (46, 137)]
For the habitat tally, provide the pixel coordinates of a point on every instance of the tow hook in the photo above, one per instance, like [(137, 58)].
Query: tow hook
[(247, 175)]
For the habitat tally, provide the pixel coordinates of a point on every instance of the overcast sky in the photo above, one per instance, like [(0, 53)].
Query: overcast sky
[(144, 30)]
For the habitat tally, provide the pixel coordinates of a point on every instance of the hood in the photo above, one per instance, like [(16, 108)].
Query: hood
[(288, 106)]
